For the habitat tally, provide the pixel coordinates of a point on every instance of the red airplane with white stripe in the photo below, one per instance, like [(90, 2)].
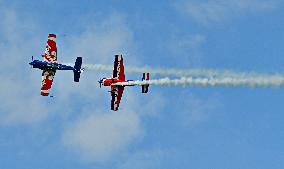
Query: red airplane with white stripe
[(49, 65), (117, 79)]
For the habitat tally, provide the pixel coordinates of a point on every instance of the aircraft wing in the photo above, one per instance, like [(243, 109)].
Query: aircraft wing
[(116, 94), (118, 70), (50, 54), (47, 79)]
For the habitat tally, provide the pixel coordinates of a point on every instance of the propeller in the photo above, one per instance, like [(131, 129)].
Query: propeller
[(32, 61), (100, 82)]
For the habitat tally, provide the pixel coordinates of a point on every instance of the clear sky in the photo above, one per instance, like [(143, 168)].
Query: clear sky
[(168, 128)]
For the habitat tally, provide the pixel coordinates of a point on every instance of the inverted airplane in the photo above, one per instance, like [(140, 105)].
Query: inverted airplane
[(49, 65), (118, 78)]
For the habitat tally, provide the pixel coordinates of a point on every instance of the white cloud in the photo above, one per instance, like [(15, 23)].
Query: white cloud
[(148, 104), (19, 103), (216, 11), (18, 106), (100, 135)]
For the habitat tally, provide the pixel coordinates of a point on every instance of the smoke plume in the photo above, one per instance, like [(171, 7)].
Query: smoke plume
[(273, 81), (179, 72), (198, 77)]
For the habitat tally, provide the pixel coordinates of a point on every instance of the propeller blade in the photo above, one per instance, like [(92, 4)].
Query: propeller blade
[(100, 82)]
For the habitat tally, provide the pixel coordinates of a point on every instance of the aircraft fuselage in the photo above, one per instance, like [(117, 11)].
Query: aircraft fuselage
[(43, 65), (112, 81)]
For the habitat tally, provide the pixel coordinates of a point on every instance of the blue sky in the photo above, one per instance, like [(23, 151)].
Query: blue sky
[(170, 127)]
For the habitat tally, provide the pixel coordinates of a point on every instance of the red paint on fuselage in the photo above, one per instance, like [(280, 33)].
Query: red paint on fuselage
[(110, 81)]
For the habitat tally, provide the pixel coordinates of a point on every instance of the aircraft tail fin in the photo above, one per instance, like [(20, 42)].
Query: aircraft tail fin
[(77, 69), (145, 88)]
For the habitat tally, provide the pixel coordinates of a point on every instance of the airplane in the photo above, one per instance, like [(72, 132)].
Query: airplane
[(49, 65), (117, 79)]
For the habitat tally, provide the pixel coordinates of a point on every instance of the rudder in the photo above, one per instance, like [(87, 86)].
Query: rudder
[(77, 69), (145, 88)]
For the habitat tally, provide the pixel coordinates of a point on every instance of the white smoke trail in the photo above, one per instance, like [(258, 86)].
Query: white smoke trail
[(179, 73), (199, 77), (272, 81)]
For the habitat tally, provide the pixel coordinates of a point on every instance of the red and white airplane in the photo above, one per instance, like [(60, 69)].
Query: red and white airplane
[(118, 82), (49, 65)]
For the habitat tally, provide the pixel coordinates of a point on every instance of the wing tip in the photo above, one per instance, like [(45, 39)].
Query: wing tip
[(44, 94), (52, 35), (118, 57)]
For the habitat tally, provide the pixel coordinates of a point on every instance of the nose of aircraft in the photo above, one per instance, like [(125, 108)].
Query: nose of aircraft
[(100, 82), (32, 64)]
